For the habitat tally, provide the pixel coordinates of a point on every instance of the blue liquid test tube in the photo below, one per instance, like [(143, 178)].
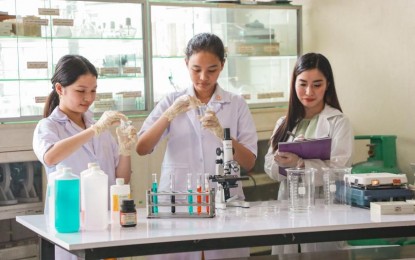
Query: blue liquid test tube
[(172, 189), (154, 190), (189, 189)]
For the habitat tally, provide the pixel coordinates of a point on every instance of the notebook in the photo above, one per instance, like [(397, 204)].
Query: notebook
[(319, 148)]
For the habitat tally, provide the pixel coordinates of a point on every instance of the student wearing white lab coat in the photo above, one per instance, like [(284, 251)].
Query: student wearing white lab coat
[(192, 141), (314, 112), (69, 136)]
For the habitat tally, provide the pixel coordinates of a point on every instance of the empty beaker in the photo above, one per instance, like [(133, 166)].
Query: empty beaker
[(335, 186), (300, 188)]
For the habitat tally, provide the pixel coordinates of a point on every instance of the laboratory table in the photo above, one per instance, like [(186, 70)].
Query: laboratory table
[(264, 223)]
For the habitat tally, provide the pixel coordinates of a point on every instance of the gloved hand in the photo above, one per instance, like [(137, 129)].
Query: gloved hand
[(286, 159), (181, 104), (108, 119), (127, 137), (211, 122)]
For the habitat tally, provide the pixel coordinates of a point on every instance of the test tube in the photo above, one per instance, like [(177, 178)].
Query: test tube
[(199, 190), (201, 110), (207, 188), (189, 189), (172, 189), (154, 190)]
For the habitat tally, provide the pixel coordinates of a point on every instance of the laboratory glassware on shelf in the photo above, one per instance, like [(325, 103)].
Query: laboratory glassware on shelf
[(35, 34)]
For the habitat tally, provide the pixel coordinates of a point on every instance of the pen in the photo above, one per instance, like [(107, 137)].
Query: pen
[(290, 134)]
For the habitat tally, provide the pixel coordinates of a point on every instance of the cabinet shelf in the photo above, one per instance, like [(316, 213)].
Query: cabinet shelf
[(237, 56), (24, 79), (33, 38)]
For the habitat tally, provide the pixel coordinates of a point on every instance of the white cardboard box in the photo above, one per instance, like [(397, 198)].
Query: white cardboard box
[(392, 208)]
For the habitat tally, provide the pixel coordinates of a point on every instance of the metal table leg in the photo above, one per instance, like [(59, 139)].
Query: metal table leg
[(47, 249)]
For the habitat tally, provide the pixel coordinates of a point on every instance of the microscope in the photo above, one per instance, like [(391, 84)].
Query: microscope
[(226, 175)]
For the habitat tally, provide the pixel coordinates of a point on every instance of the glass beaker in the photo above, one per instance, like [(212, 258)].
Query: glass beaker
[(335, 186), (300, 188)]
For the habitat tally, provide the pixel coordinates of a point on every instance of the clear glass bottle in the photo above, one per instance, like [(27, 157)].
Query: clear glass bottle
[(128, 31)]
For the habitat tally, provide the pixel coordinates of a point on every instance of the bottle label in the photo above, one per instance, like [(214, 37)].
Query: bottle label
[(128, 218), (117, 200)]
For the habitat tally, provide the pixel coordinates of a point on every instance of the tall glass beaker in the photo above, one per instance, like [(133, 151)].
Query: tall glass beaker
[(335, 187), (300, 188)]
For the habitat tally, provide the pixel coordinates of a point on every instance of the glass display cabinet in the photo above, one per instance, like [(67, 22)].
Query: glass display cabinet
[(34, 34), (262, 42), (138, 49)]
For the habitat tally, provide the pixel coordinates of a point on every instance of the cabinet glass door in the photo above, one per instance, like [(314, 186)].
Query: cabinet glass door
[(110, 35), (262, 45), (24, 56), (35, 34)]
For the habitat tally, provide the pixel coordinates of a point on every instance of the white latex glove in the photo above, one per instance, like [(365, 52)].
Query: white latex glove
[(108, 119), (181, 105), (127, 137), (211, 122), (286, 159)]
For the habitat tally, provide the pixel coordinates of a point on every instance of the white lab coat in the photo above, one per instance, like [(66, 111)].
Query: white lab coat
[(191, 149), (102, 149), (331, 123)]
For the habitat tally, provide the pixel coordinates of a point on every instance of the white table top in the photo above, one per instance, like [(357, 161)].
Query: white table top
[(263, 218)]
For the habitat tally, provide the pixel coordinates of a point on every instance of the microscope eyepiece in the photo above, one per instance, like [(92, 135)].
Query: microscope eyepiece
[(227, 134)]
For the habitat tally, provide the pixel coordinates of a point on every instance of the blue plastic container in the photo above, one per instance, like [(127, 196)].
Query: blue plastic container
[(67, 202)]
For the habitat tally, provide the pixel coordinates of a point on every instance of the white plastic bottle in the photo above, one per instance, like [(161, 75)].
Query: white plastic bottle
[(83, 174), (88, 170), (118, 193), (50, 194), (94, 195)]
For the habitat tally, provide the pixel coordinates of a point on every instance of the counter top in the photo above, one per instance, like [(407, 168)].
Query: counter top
[(262, 219)]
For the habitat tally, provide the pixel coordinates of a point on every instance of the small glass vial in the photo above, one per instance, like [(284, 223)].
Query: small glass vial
[(128, 31), (128, 214)]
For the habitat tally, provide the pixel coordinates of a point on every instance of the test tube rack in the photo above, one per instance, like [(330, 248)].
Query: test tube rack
[(181, 204)]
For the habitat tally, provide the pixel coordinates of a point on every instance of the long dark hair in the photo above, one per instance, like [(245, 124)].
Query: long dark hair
[(206, 42), (67, 71), (296, 111)]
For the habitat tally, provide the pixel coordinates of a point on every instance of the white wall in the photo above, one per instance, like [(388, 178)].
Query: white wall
[(371, 46)]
